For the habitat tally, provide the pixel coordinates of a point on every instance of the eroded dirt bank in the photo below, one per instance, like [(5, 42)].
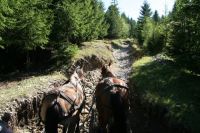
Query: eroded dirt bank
[(23, 113)]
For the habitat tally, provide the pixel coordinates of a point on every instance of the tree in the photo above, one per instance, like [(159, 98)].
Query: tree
[(128, 27), (184, 38), (132, 31), (156, 17), (153, 34), (145, 12), (28, 24), (98, 26), (114, 21), (77, 21)]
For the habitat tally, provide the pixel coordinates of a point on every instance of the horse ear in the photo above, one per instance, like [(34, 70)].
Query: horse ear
[(110, 63)]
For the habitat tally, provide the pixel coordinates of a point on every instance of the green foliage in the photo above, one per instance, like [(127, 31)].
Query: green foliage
[(64, 53), (162, 83), (120, 26), (184, 41), (153, 35), (145, 12), (128, 26), (114, 21), (156, 17), (28, 24), (77, 21), (125, 29), (133, 30), (4, 10), (98, 26)]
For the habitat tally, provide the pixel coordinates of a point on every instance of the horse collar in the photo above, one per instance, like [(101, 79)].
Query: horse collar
[(110, 84)]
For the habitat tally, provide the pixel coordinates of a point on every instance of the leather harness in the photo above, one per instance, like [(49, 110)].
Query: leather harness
[(110, 85), (73, 107)]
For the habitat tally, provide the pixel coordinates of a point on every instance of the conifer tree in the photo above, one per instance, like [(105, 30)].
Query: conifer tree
[(114, 21), (184, 38), (28, 24), (145, 12), (156, 16)]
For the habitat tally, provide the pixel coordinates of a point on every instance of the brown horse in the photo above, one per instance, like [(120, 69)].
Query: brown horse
[(112, 103), (63, 105)]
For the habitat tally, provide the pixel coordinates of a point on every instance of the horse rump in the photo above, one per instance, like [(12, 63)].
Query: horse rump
[(119, 110)]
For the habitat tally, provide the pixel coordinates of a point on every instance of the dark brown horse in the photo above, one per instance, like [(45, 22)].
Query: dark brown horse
[(63, 105), (112, 103)]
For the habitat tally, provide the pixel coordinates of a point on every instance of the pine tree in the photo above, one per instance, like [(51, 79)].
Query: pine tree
[(156, 16), (114, 21), (77, 21), (145, 12), (132, 32), (5, 21), (184, 38), (98, 27), (29, 24)]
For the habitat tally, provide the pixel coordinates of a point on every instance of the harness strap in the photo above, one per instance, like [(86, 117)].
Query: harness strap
[(68, 99), (115, 85)]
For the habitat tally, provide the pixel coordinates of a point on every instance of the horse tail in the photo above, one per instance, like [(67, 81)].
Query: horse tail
[(119, 113)]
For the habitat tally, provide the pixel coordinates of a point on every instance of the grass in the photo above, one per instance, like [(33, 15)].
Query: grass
[(164, 83), (117, 42), (11, 90), (25, 88), (100, 48)]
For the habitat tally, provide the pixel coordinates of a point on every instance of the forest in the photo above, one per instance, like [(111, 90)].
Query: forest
[(41, 36), (36, 31), (54, 28)]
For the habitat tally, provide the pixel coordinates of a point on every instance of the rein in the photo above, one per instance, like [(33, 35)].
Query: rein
[(93, 101)]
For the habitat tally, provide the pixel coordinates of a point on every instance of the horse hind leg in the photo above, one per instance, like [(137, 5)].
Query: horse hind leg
[(51, 127), (51, 124), (72, 126), (103, 121)]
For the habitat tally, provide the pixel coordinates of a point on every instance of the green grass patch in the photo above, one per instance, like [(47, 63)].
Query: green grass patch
[(99, 48), (162, 82), (26, 87), (117, 42)]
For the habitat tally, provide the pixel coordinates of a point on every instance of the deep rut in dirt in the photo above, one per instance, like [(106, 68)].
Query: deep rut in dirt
[(121, 68), (123, 60), (27, 121)]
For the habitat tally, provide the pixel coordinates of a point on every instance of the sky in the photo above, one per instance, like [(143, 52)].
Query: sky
[(132, 7)]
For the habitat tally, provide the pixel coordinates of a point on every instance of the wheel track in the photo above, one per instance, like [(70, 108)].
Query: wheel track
[(122, 69)]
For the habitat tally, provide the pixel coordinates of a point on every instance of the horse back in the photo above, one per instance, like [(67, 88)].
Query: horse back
[(104, 92), (54, 97)]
